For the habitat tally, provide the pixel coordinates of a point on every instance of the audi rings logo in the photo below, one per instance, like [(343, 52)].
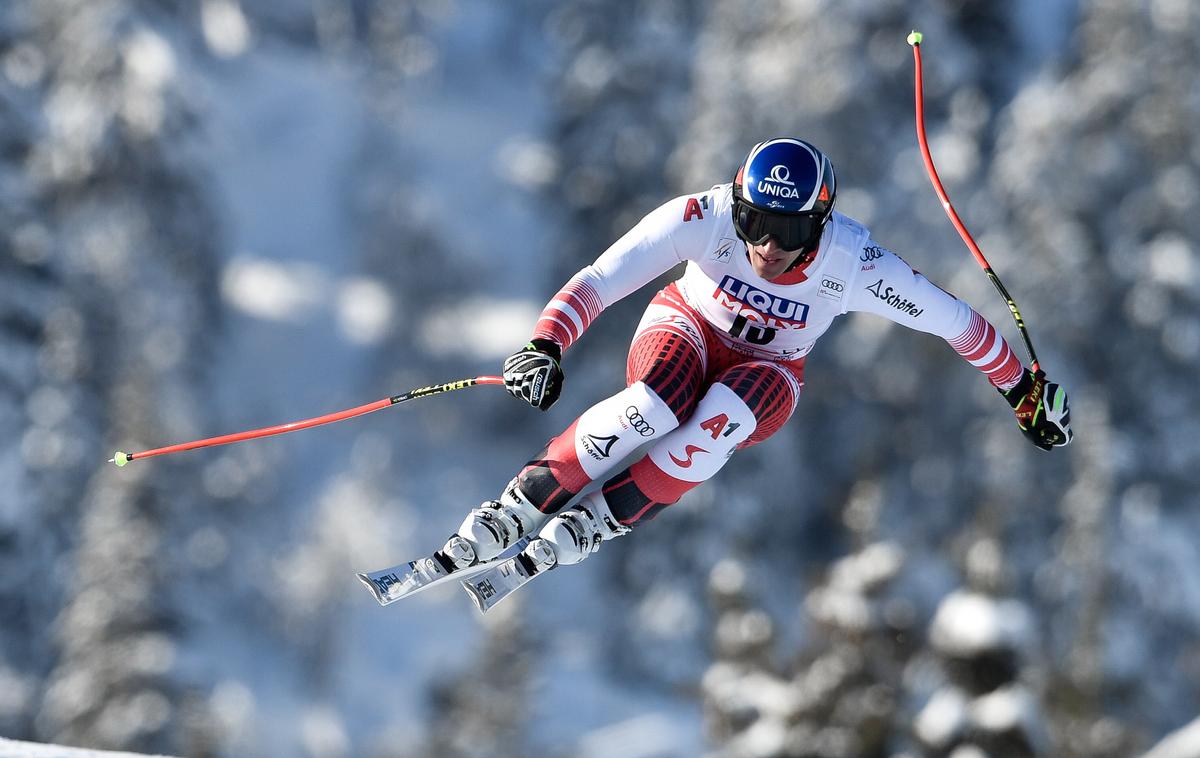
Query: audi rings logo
[(781, 174), (638, 422), (871, 253), (832, 288)]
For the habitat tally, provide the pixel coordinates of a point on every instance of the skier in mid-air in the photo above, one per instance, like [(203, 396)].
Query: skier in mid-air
[(717, 362)]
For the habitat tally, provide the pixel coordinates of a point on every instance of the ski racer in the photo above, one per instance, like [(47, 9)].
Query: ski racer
[(717, 362)]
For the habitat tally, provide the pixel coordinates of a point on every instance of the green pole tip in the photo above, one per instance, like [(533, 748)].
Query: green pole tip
[(120, 458), (914, 39)]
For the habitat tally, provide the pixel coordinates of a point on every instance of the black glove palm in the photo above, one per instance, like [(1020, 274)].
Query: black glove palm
[(1042, 409), (533, 373)]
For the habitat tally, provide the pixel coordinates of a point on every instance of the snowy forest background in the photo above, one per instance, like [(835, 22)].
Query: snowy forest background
[(223, 214)]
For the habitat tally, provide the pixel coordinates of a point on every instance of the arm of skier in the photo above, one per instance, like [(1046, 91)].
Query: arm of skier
[(649, 249), (889, 287)]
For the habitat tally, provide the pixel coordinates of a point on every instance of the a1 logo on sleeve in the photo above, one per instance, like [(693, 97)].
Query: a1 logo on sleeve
[(693, 208), (831, 287)]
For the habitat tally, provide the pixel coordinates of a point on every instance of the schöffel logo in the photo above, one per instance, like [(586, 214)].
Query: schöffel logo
[(892, 298), (772, 310), (598, 447), (779, 183)]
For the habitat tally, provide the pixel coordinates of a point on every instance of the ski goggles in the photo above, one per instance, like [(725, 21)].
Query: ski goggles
[(791, 230)]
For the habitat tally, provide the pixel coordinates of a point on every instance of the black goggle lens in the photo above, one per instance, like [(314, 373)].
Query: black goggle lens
[(791, 231)]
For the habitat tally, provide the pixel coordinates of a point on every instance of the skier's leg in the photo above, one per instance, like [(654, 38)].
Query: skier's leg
[(691, 453), (591, 446), (746, 404), (664, 373)]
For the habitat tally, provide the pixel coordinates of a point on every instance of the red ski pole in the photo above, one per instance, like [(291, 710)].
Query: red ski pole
[(121, 459), (914, 39)]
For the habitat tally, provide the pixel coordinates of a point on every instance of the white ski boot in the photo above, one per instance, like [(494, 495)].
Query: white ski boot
[(577, 532), (490, 529), (568, 538)]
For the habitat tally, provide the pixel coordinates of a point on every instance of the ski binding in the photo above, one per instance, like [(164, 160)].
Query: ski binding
[(502, 577)]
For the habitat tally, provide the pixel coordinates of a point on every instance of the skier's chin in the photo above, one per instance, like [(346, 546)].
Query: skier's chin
[(771, 266)]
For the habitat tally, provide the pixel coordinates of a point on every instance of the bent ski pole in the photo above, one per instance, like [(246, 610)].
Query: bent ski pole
[(914, 40), (121, 459)]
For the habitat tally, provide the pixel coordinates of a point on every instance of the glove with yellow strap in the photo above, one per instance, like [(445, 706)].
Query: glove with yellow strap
[(1042, 409), (533, 373)]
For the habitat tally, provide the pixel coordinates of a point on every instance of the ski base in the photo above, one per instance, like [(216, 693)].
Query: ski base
[(406, 579), (503, 578)]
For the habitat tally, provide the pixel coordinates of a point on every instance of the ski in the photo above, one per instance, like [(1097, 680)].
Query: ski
[(406, 579), (503, 577)]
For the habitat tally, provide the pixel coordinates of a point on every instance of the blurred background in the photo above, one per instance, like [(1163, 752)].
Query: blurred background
[(217, 215)]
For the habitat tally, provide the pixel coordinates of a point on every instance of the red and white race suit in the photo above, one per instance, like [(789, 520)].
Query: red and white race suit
[(717, 360)]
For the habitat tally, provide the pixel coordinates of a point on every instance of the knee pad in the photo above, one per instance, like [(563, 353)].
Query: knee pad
[(615, 427), (701, 445)]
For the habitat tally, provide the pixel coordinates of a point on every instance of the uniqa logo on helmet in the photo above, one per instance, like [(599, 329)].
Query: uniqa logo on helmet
[(777, 184), (783, 175)]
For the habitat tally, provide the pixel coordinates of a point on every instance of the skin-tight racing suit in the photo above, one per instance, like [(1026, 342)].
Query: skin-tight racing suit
[(717, 362)]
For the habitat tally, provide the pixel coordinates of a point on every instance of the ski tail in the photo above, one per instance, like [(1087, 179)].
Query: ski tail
[(380, 584), (406, 579), (391, 584)]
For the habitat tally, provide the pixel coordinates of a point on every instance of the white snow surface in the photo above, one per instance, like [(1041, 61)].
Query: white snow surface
[(1182, 743), (17, 749)]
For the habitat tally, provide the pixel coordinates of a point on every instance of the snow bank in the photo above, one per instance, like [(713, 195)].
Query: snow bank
[(1182, 743), (16, 749)]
